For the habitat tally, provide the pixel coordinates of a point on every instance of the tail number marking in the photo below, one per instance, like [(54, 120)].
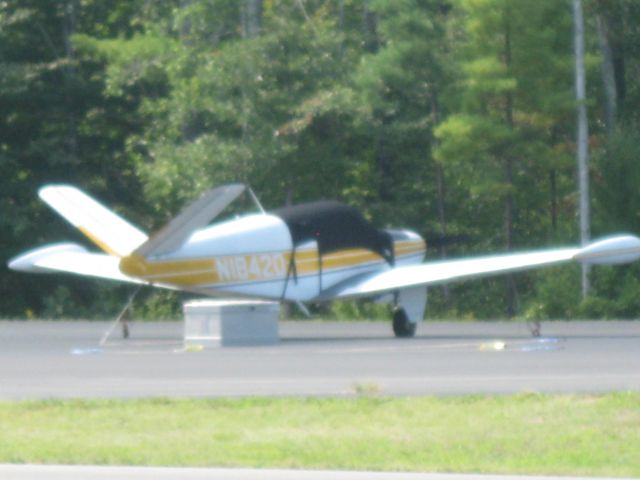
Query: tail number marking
[(250, 267)]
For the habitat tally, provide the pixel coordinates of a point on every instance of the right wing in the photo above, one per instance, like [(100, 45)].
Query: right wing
[(618, 249)]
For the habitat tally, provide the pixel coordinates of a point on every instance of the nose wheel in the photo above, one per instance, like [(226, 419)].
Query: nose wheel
[(402, 327)]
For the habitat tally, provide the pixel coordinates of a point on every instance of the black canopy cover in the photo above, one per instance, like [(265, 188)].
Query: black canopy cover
[(335, 226)]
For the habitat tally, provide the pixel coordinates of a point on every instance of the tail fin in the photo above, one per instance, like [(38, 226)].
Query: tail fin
[(109, 231), (195, 216)]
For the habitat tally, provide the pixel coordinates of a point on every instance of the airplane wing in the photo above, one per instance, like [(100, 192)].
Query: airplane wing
[(70, 258), (619, 249)]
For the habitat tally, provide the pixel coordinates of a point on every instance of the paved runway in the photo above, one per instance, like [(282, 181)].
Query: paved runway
[(62, 360), (55, 472)]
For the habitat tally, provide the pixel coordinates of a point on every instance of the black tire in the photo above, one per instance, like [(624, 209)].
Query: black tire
[(402, 327)]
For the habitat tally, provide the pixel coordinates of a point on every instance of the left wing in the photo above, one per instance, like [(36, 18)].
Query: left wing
[(618, 249), (70, 258)]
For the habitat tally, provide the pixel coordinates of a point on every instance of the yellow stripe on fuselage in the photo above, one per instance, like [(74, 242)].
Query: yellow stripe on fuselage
[(256, 267)]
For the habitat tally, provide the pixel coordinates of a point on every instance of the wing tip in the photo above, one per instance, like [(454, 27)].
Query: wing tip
[(45, 190), (27, 261)]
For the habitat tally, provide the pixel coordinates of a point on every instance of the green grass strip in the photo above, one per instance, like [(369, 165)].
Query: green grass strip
[(519, 434)]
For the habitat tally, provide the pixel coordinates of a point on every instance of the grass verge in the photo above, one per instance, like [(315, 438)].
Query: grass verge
[(526, 433)]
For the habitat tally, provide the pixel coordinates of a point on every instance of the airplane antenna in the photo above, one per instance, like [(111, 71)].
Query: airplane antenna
[(256, 201)]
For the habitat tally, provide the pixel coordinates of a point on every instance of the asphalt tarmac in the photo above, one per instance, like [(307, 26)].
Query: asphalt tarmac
[(63, 360), (55, 472)]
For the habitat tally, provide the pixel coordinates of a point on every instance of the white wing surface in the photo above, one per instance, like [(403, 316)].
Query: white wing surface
[(110, 232), (619, 249), (70, 258)]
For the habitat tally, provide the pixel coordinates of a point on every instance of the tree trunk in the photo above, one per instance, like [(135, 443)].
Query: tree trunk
[(251, 20), (615, 15), (370, 30), (608, 74), (509, 208), (341, 25), (582, 136), (442, 219), (382, 156), (384, 162), (553, 201), (69, 28), (185, 27), (251, 15), (508, 200)]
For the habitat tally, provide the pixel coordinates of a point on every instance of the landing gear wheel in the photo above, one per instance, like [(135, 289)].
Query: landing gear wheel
[(402, 327)]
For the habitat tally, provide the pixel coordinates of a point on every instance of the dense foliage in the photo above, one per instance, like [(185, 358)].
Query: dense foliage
[(453, 117)]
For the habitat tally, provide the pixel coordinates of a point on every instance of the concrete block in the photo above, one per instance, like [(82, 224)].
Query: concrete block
[(214, 323)]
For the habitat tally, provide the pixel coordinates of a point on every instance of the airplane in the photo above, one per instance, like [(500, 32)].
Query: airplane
[(313, 252)]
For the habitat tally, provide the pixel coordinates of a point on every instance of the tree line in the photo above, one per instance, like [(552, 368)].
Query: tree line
[(455, 118)]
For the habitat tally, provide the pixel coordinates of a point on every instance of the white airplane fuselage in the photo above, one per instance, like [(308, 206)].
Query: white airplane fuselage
[(254, 256)]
